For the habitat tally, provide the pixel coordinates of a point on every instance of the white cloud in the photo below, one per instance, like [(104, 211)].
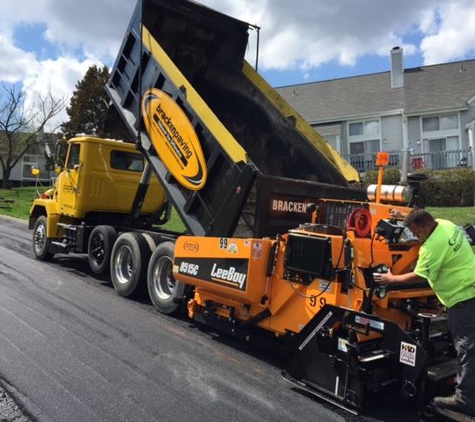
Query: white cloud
[(26, 11), (299, 36), (58, 77), (97, 26), (308, 34), (15, 63), (455, 34), (429, 22), (295, 35)]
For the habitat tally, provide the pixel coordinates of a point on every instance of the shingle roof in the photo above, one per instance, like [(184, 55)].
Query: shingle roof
[(427, 88), (439, 87)]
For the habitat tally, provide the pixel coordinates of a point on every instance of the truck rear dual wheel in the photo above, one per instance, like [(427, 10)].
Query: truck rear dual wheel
[(41, 243), (99, 249), (165, 292), (128, 265)]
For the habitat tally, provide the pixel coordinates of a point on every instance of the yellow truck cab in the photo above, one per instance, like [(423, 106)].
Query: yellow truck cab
[(96, 187)]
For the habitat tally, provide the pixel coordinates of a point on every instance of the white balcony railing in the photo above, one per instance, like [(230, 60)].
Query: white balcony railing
[(439, 160)]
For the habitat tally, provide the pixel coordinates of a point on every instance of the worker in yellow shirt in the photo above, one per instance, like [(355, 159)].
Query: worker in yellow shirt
[(446, 261)]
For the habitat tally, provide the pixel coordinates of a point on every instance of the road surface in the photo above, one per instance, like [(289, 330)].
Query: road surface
[(72, 350)]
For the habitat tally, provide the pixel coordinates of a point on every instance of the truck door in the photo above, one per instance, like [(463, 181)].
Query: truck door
[(68, 183)]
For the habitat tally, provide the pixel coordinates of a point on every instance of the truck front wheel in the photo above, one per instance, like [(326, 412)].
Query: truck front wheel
[(128, 266), (165, 292), (99, 248), (41, 243)]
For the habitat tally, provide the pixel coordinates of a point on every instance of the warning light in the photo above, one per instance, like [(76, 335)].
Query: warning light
[(382, 159)]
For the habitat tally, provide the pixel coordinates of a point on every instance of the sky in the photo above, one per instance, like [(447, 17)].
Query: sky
[(47, 45)]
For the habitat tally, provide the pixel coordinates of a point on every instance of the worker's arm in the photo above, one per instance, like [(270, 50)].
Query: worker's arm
[(389, 277), (397, 214)]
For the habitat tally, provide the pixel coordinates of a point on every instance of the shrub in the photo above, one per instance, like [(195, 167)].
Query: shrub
[(391, 176), (449, 188)]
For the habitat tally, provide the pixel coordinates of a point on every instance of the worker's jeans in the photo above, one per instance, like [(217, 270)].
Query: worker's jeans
[(462, 329)]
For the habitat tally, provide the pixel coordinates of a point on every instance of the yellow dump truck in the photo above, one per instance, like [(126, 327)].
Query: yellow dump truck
[(279, 249), (212, 139)]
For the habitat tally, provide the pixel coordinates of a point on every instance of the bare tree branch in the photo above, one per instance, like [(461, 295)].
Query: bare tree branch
[(21, 126)]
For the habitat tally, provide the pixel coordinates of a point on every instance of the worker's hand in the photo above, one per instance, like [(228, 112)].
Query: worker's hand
[(397, 214), (383, 278)]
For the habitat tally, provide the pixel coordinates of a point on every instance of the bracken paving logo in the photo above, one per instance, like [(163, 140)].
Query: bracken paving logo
[(174, 139)]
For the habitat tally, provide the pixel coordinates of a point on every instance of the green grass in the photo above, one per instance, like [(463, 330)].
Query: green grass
[(458, 215), (23, 197), (175, 224)]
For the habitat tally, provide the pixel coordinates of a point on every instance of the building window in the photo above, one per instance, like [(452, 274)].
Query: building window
[(449, 122), (441, 140), (440, 123), (366, 129), (452, 142), (356, 129), (364, 137), (430, 124), (441, 133), (364, 143), (367, 147), (362, 154)]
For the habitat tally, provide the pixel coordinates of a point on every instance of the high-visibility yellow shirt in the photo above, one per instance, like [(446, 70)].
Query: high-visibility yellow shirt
[(447, 261)]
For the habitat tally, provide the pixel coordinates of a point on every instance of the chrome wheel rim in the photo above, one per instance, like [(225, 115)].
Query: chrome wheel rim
[(40, 238), (124, 265), (163, 282)]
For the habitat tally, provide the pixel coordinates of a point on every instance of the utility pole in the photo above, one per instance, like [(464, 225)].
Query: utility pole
[(404, 166)]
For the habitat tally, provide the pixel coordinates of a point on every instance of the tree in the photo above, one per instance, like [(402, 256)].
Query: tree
[(89, 104), (22, 127)]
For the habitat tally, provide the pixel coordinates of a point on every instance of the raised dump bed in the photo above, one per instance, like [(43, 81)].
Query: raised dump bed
[(232, 146)]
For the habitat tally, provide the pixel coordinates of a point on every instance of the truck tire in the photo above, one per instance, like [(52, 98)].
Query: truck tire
[(41, 243), (128, 265), (165, 292), (99, 248), (152, 239)]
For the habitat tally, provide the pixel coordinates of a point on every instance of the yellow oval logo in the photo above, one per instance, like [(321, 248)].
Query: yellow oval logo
[(174, 139)]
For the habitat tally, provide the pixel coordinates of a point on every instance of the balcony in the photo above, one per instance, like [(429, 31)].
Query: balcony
[(439, 160)]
